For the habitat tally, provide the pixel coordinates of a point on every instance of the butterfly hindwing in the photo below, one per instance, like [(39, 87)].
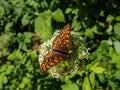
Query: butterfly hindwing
[(50, 60)]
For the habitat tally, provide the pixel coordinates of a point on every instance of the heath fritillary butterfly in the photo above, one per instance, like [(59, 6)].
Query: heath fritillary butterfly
[(60, 49)]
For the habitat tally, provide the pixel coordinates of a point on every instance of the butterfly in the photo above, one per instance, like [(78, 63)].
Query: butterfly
[(60, 50)]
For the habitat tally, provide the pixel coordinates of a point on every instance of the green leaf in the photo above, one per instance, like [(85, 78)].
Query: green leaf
[(98, 70), (16, 55), (92, 79), (69, 86), (18, 11), (117, 29), (95, 30), (68, 10), (28, 35), (117, 46), (43, 26), (117, 74), (101, 78), (109, 42), (110, 18), (3, 79), (86, 84), (24, 39), (23, 46), (112, 84), (32, 3), (25, 20), (9, 69), (75, 11), (1, 86), (58, 15), (89, 33), (116, 59), (3, 68), (76, 25), (117, 18), (26, 80), (6, 68), (92, 65), (22, 85), (2, 11), (8, 26)]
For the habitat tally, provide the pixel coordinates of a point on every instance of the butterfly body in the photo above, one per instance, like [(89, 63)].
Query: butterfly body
[(59, 52)]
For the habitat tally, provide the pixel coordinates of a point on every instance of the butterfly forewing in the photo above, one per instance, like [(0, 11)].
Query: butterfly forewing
[(62, 41), (60, 48)]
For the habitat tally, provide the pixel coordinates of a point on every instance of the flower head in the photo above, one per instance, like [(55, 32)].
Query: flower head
[(77, 55)]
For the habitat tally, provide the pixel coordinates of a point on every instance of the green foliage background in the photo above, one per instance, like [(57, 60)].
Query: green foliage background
[(97, 21)]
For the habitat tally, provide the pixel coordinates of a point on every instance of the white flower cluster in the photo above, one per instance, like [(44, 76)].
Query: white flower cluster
[(78, 54)]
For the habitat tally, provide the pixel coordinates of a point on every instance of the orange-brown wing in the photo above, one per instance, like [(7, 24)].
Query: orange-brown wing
[(62, 41), (50, 60)]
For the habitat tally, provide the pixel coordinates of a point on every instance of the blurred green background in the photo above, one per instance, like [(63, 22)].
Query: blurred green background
[(97, 21)]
